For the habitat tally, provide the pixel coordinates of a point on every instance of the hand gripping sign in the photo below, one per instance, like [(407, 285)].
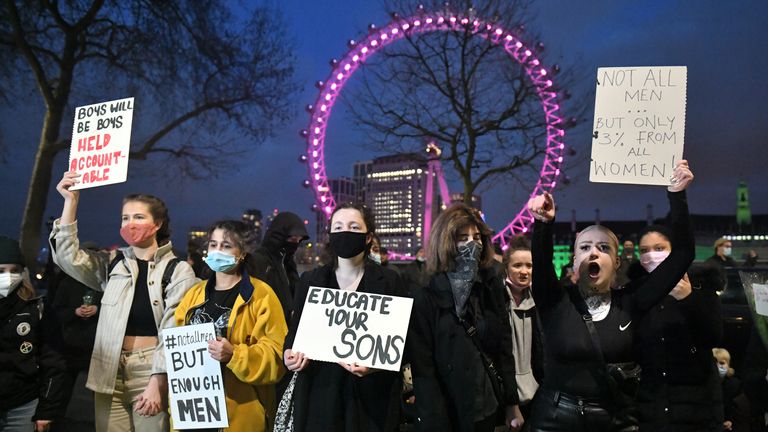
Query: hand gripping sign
[(195, 383), (354, 327), (101, 141), (639, 125)]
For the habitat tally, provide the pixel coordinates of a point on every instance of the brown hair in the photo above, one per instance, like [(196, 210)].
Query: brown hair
[(517, 243), (159, 213), (441, 250), (26, 291)]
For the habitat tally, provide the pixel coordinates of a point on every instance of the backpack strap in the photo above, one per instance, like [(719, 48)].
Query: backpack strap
[(115, 261), (168, 274)]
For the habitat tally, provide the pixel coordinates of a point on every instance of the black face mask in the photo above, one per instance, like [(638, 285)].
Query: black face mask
[(347, 244), (290, 248)]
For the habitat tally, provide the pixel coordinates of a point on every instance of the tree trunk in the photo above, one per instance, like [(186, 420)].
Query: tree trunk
[(37, 194)]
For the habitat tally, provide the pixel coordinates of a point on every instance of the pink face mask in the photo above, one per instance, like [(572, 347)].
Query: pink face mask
[(137, 234), (651, 260)]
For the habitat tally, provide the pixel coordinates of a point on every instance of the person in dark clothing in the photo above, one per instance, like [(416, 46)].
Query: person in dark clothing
[(460, 340), (273, 262), (673, 342), (31, 370), (77, 312), (344, 397), (628, 258), (415, 273), (756, 375), (735, 403), (588, 326), (723, 253), (752, 259)]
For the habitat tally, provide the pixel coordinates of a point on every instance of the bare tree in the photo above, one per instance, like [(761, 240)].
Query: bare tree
[(197, 68), (460, 91)]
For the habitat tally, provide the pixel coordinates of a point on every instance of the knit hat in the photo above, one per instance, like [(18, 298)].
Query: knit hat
[(10, 253)]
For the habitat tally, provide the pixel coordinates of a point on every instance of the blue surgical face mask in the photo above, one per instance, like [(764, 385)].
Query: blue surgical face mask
[(722, 370), (375, 257), (220, 261)]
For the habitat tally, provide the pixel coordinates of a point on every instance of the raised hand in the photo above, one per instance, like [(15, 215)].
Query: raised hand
[(542, 207), (682, 176)]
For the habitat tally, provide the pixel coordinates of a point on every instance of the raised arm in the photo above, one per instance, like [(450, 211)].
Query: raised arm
[(666, 276), (545, 287)]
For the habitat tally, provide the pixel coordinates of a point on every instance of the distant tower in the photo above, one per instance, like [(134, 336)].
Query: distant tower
[(743, 213)]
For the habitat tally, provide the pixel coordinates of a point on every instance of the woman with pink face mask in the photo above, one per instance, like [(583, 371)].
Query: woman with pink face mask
[(589, 327), (673, 342), (142, 284)]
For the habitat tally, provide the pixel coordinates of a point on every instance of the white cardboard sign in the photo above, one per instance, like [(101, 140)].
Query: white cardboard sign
[(195, 383), (761, 298), (354, 327), (639, 126), (101, 141)]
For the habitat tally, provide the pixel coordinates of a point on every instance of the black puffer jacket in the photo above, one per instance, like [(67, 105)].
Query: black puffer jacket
[(29, 366)]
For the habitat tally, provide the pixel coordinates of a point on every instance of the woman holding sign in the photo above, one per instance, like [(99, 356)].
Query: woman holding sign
[(461, 342), (142, 285), (250, 328), (589, 327), (344, 397)]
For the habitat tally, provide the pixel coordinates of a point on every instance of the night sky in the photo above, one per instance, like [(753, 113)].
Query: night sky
[(723, 44)]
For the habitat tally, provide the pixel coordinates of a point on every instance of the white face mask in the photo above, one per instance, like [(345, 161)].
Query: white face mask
[(375, 257), (8, 283), (727, 251), (651, 260), (722, 370)]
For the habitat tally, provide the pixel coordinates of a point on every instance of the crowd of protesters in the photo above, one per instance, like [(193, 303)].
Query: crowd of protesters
[(496, 340)]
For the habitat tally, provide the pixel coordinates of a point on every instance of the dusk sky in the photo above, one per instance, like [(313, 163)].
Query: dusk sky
[(723, 44)]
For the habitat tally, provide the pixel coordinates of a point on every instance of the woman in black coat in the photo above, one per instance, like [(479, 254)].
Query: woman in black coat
[(344, 397), (673, 343), (460, 341)]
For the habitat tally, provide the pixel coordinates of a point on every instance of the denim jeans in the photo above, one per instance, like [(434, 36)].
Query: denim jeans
[(18, 419)]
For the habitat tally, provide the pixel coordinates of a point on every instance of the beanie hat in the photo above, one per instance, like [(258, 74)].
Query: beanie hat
[(10, 253)]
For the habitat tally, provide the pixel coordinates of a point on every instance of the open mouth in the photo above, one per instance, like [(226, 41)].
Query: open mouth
[(594, 270)]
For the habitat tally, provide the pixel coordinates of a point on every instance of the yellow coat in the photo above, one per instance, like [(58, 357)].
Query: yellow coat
[(256, 330)]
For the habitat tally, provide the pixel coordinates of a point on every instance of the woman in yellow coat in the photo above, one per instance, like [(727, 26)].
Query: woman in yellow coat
[(250, 328)]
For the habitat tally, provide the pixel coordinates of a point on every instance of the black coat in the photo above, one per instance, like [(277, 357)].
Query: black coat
[(443, 357), (77, 334), (328, 398), (29, 366), (673, 345)]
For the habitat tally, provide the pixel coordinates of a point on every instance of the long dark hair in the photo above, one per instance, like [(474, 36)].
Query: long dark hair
[(159, 213)]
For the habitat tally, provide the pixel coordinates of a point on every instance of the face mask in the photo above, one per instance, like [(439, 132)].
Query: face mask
[(137, 234), (347, 244), (651, 260), (421, 259), (375, 258), (727, 251), (8, 283), (471, 249), (463, 277), (290, 248), (220, 261), (722, 370)]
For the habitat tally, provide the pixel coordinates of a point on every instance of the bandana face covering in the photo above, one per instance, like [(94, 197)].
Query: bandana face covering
[(137, 234), (651, 260), (464, 276)]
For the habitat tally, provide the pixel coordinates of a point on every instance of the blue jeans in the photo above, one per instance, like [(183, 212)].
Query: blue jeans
[(18, 419)]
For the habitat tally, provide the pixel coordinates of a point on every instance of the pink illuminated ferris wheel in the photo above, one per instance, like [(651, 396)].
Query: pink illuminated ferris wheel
[(358, 52)]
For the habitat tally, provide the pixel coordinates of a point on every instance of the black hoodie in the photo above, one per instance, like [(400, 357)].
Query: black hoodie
[(273, 261)]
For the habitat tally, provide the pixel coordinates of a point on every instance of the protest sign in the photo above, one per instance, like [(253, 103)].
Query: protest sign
[(354, 327), (761, 298), (101, 140), (195, 383), (639, 125)]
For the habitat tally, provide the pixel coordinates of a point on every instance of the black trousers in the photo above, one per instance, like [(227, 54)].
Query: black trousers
[(554, 411)]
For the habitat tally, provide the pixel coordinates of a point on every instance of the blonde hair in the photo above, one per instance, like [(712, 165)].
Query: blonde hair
[(723, 354), (441, 250), (611, 236)]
